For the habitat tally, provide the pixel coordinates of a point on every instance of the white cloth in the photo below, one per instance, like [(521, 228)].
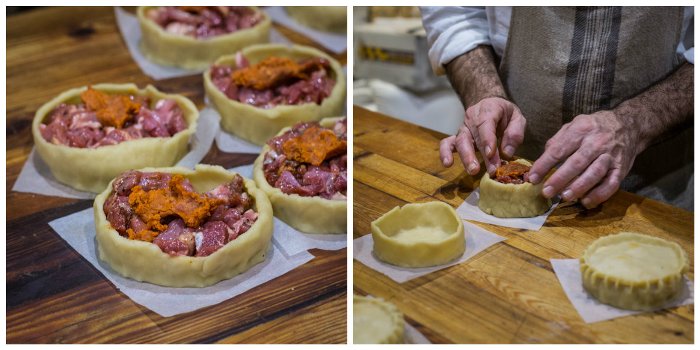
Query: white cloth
[(455, 30)]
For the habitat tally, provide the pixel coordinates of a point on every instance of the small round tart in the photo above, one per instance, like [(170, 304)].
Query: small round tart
[(145, 261), (419, 235), (508, 200), (187, 52), (376, 321), (633, 271), (258, 125), (306, 214), (324, 18), (90, 169)]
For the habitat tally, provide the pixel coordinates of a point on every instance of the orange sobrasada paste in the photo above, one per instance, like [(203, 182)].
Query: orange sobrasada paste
[(313, 146), (111, 110)]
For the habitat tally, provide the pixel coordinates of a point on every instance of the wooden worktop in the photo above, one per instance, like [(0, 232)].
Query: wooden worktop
[(53, 294), (507, 293)]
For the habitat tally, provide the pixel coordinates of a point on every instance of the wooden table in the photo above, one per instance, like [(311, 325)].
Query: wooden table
[(507, 293), (53, 294)]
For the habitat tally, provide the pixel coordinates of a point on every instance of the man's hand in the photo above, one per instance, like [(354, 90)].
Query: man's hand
[(485, 122)]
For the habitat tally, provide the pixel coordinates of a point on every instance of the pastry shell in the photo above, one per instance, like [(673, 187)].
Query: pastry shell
[(419, 235), (258, 125), (324, 18), (144, 261), (512, 200), (90, 169), (376, 321), (633, 271), (186, 52), (306, 214)]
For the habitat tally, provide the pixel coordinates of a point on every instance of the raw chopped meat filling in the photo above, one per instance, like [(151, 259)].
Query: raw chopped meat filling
[(275, 81), (203, 22), (165, 209), (511, 173), (309, 160), (102, 120)]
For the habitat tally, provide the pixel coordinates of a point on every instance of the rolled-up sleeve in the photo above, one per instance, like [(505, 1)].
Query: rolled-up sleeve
[(686, 46), (453, 31)]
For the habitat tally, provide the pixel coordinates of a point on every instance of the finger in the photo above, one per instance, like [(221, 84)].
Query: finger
[(446, 148), (589, 179), (557, 149), (514, 134), (573, 166), (483, 131), (604, 190), (465, 147)]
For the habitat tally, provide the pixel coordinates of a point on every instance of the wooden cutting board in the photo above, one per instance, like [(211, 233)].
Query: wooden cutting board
[(507, 293), (53, 294)]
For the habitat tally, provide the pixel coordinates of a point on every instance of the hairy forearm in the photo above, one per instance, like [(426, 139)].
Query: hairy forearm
[(474, 76), (660, 109)]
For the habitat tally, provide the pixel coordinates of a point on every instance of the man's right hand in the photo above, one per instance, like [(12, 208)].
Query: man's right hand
[(486, 121)]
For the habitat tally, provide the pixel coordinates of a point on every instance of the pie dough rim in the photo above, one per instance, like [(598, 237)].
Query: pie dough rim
[(628, 294), (145, 262), (512, 200), (258, 125), (395, 251), (395, 330), (90, 169), (169, 49), (300, 212), (331, 19)]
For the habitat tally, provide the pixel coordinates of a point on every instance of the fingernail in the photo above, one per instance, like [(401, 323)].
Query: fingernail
[(548, 192), (586, 202), (472, 167), (509, 151), (444, 160), (488, 151), (567, 195), (533, 178), (491, 168)]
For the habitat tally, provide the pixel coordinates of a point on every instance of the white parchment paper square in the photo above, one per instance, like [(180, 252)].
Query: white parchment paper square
[(292, 241), (36, 177), (469, 210), (233, 144), (131, 32), (591, 310), (477, 238), (411, 335), (334, 42), (79, 231)]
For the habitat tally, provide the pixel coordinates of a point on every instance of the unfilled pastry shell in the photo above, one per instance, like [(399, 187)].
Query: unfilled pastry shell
[(90, 169), (182, 51), (306, 214), (258, 125), (512, 200), (419, 235), (633, 292), (144, 261), (376, 322), (325, 18)]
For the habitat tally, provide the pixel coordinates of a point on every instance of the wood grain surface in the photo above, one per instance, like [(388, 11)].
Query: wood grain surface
[(53, 294), (507, 293)]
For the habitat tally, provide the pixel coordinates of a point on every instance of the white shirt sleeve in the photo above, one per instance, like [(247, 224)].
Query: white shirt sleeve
[(453, 31), (686, 46)]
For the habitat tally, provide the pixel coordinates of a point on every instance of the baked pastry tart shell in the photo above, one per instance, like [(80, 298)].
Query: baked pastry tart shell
[(628, 292), (306, 214), (376, 321), (258, 125), (324, 18), (512, 200), (144, 261), (90, 169), (186, 52), (419, 235)]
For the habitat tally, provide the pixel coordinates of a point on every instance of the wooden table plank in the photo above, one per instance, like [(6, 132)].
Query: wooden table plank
[(53, 294), (507, 293)]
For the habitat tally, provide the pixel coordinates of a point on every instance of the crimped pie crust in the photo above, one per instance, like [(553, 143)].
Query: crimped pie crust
[(90, 169), (376, 321), (512, 200), (419, 235), (633, 271), (258, 125), (324, 18), (144, 261), (186, 52), (306, 214)]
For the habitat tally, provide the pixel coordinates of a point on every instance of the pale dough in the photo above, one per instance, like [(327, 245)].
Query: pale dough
[(375, 321), (144, 261), (512, 200), (90, 169), (325, 18), (258, 125)]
